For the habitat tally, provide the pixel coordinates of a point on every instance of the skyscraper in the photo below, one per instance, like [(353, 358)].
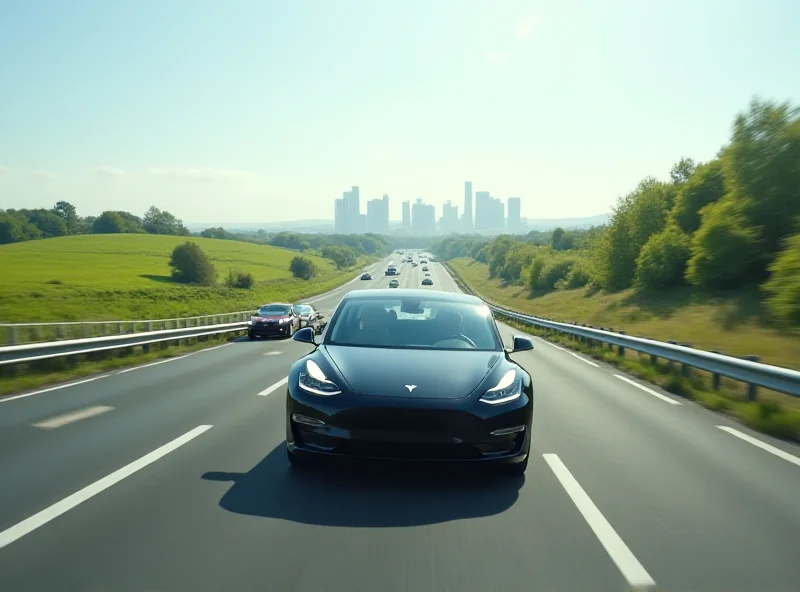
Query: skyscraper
[(448, 223), (514, 211), (378, 215), (423, 218), (483, 213), (348, 218), (466, 220), (407, 216)]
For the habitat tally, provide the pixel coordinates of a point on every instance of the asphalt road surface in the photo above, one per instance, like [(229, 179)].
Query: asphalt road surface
[(173, 476)]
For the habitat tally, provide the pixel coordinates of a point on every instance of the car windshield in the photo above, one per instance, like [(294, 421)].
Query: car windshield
[(413, 323), (271, 310), (303, 308)]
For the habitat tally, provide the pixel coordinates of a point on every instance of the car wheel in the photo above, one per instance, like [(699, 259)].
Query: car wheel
[(250, 336)]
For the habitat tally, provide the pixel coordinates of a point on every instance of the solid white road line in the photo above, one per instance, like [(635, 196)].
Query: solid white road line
[(272, 353), (211, 348), (153, 364), (47, 390), (574, 355), (39, 519), (274, 387), (619, 552), (647, 390), (763, 445), (67, 418)]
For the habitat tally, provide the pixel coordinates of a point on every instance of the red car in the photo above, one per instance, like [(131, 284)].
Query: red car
[(274, 320)]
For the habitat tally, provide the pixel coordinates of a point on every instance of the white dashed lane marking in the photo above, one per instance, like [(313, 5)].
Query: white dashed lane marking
[(762, 445), (67, 418), (39, 519), (274, 387)]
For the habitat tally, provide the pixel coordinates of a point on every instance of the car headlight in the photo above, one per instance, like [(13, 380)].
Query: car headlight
[(313, 380), (508, 389), (282, 321)]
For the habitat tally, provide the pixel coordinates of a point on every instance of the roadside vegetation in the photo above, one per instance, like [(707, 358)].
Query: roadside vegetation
[(128, 276), (709, 257)]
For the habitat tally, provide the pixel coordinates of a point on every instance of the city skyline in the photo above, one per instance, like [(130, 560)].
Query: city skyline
[(419, 217)]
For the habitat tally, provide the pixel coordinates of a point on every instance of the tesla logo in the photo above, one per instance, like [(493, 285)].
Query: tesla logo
[(411, 387)]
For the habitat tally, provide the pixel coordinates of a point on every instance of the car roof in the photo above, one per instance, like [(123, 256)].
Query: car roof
[(276, 304), (412, 293)]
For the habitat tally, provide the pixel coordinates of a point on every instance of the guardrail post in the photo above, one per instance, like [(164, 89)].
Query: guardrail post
[(686, 370), (146, 346), (12, 335), (669, 362), (715, 378), (621, 349), (85, 330), (752, 390)]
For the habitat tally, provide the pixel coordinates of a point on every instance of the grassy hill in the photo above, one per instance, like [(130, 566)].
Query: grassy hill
[(734, 324), (126, 276)]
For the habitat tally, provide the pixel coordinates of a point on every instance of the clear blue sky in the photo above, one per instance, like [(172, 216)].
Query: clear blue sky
[(266, 111)]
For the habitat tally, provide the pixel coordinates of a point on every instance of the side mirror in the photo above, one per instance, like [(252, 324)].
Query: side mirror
[(305, 335), (521, 344)]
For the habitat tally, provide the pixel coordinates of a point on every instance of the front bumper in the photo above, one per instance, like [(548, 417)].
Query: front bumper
[(269, 329), (355, 426)]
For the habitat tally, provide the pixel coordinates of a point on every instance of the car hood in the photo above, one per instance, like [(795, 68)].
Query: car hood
[(385, 372), (270, 318)]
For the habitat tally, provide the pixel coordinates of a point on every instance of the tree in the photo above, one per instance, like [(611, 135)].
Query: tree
[(682, 170), (14, 229), (240, 279), (109, 223), (762, 170), (783, 286), (725, 249), (157, 221), (662, 261), (705, 187), (49, 223), (67, 212), (303, 268), (343, 256), (191, 265)]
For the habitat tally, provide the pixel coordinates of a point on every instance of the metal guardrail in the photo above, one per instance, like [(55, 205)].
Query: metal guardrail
[(750, 371), (31, 352), (19, 333)]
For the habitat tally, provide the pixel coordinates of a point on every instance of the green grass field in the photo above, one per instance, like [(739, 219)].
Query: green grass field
[(735, 324), (127, 276)]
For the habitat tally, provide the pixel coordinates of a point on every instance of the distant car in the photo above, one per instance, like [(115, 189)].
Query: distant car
[(391, 270), (427, 274), (394, 284), (427, 282), (366, 276), (424, 268), (414, 264), (278, 319), (310, 317)]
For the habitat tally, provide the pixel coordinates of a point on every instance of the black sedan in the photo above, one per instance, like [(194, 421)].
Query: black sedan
[(310, 317), (351, 398), (366, 276), (427, 282)]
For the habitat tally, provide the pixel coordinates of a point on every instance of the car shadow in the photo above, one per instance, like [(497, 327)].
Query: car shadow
[(365, 494)]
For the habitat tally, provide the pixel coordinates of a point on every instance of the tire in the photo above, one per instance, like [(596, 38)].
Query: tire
[(250, 336)]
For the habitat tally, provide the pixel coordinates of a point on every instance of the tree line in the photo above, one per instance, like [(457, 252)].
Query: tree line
[(63, 220), (728, 223)]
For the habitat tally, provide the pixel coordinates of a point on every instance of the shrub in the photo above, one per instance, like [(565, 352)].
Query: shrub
[(578, 277), (662, 261), (724, 249), (783, 286), (553, 273), (303, 268), (191, 265), (342, 255), (535, 273), (240, 279)]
